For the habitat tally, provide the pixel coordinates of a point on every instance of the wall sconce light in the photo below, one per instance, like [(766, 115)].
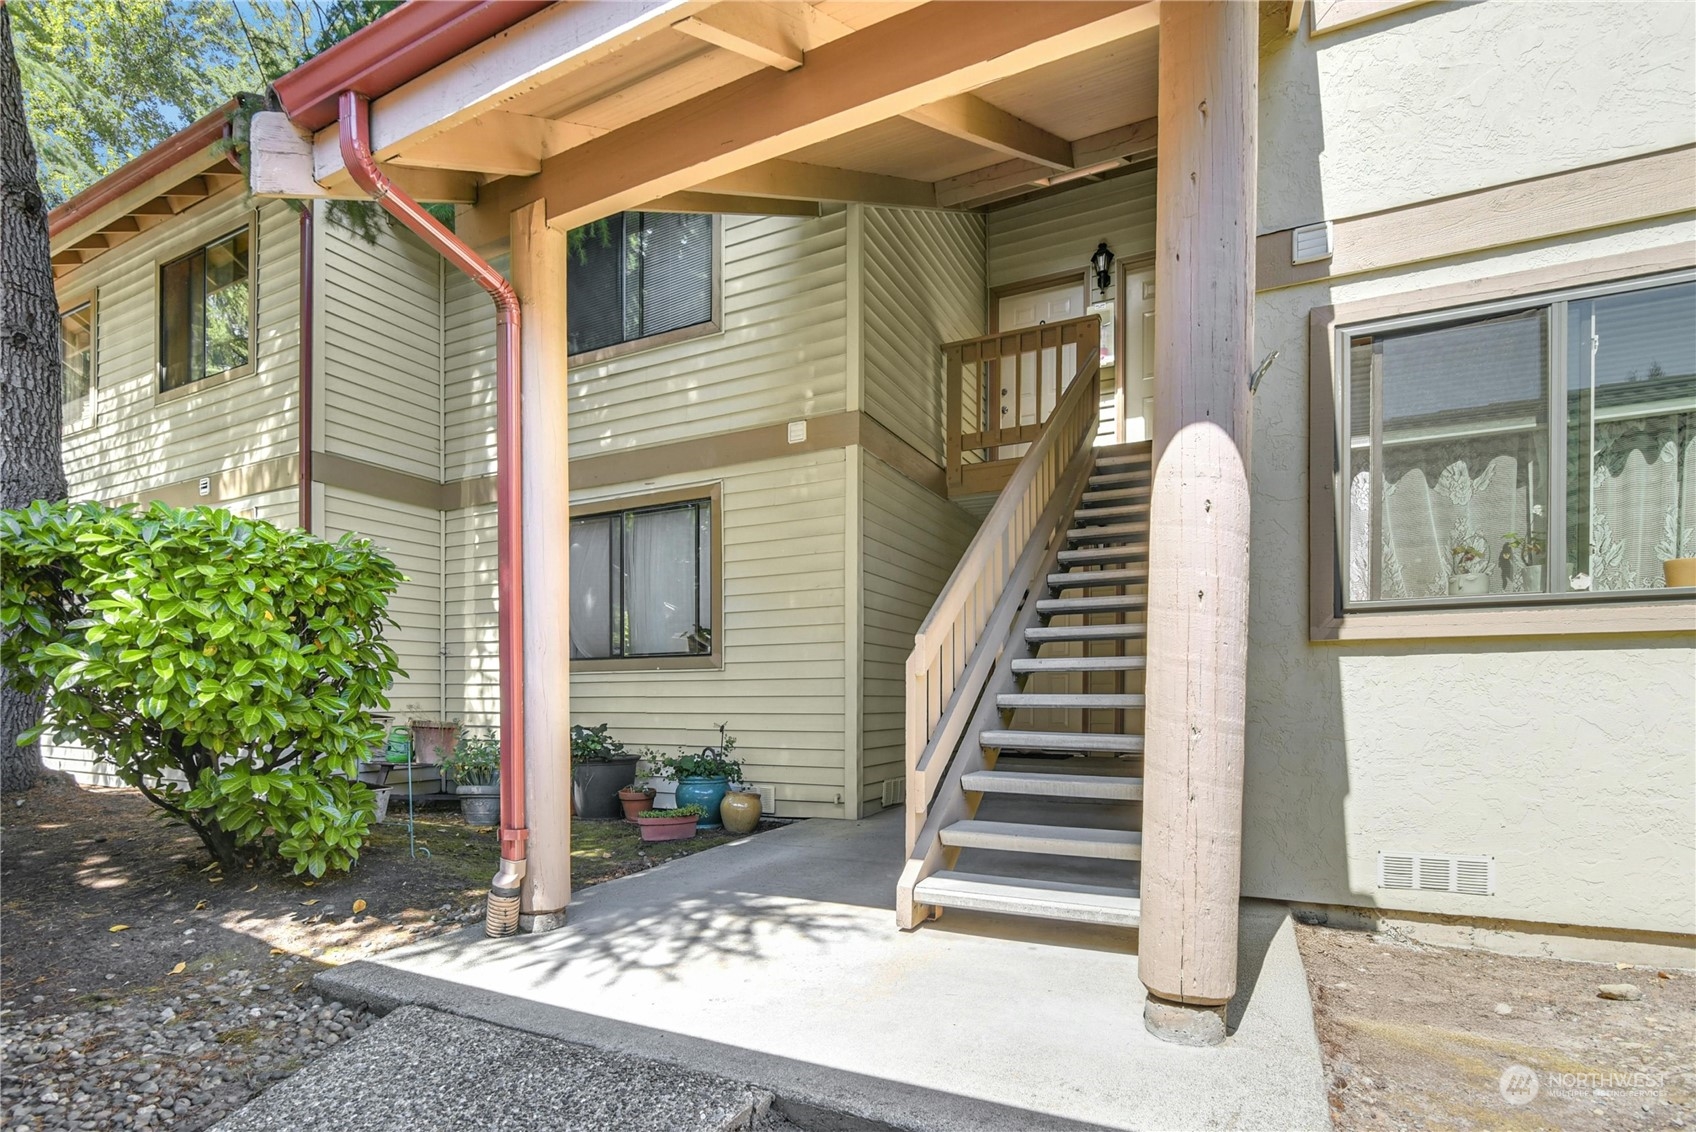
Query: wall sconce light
[(1102, 263)]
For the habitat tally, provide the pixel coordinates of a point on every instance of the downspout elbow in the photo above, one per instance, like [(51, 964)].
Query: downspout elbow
[(355, 133)]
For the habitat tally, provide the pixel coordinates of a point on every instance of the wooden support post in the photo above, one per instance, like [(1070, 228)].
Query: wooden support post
[(538, 275), (1199, 552)]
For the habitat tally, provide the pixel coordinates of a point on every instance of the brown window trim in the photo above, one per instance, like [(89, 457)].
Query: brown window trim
[(91, 411), (1564, 615), (235, 373), (713, 325), (713, 494)]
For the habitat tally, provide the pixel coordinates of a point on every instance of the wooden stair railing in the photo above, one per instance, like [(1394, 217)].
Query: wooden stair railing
[(957, 646), (988, 382)]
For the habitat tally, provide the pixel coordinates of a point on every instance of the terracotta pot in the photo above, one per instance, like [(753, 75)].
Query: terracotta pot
[(1680, 571), (667, 829), (740, 811), (635, 801), (433, 742)]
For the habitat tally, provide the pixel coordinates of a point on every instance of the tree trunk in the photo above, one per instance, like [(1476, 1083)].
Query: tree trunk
[(30, 378)]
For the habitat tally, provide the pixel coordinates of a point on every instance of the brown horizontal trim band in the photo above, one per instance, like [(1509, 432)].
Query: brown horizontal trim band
[(348, 474), (226, 486), (1578, 200)]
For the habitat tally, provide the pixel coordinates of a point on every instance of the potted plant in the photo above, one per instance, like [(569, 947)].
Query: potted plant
[(704, 779), (636, 798), (1469, 567), (1525, 557), (669, 825), (475, 767), (600, 768)]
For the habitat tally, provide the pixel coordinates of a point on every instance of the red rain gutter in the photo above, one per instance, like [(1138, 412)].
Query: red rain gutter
[(355, 115), (392, 50), (308, 266), (190, 141)]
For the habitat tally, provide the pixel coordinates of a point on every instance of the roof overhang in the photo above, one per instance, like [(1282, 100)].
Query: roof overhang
[(595, 106)]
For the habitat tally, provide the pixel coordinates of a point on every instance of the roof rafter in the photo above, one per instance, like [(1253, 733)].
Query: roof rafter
[(970, 118)]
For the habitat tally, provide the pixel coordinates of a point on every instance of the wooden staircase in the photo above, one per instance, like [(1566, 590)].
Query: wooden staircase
[(1047, 815)]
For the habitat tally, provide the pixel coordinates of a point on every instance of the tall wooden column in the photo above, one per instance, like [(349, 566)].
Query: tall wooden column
[(538, 275), (1198, 553)]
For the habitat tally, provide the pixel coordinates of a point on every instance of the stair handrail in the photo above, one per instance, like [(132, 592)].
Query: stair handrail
[(950, 661)]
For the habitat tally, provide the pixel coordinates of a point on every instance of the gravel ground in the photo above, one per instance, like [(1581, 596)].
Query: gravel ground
[(182, 1061)]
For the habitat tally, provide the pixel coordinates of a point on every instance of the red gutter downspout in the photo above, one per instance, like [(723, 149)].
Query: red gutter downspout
[(355, 114), (307, 266)]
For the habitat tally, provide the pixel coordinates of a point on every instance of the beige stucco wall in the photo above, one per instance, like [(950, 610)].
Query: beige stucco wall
[(1569, 760)]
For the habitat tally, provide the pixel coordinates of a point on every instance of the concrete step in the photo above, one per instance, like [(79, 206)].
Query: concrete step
[(1108, 603), (1138, 531), (1048, 900), (1058, 840), (1119, 479), (1101, 787), (1108, 514), (1125, 632), (1101, 555), (1061, 741), (1116, 495), (1133, 575), (1083, 701), (1079, 664)]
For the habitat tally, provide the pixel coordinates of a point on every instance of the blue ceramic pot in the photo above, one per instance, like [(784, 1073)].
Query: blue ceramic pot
[(706, 793)]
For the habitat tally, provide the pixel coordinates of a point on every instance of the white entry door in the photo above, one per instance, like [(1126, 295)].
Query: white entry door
[(1137, 287), (1024, 398)]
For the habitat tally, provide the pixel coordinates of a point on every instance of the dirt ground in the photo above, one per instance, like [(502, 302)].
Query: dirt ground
[(106, 905), (1419, 1037)]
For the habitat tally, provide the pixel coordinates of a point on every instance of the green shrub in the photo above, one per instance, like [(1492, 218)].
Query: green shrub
[(245, 658), (475, 760), (594, 745)]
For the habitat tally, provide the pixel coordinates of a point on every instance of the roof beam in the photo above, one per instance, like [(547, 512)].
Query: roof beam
[(552, 43), (282, 167), (911, 60), (1096, 152), (751, 31), (732, 205), (970, 118), (796, 180)]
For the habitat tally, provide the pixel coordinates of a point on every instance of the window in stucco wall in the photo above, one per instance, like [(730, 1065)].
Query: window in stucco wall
[(1532, 447)]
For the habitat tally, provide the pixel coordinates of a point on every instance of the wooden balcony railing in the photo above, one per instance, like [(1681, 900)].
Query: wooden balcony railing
[(1002, 390), (955, 650)]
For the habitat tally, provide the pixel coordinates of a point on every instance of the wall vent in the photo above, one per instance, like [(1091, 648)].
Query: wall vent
[(1310, 242), (894, 791), (768, 799), (1438, 872)]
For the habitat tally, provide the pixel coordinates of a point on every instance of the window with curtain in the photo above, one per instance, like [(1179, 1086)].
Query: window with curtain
[(636, 275), (76, 359), (204, 312), (1545, 446), (641, 582)]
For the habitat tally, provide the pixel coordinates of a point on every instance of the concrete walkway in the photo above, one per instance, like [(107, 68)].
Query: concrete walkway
[(776, 961)]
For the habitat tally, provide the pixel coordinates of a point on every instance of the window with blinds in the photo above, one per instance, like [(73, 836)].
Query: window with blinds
[(1517, 450), (636, 275)]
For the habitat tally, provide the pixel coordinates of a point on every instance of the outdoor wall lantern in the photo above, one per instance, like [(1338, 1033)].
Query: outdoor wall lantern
[(1102, 263)]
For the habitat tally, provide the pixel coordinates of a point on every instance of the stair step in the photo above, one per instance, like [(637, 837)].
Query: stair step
[(1048, 900), (1111, 603), (1079, 664), (1117, 632), (1086, 701), (1125, 459), (1061, 741), (1098, 555), (1113, 531), (1108, 514), (1118, 479), (1058, 840), (1102, 787), (1116, 495), (1133, 576)]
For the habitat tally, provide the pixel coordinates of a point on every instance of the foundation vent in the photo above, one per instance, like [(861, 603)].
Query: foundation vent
[(1438, 872), (894, 791)]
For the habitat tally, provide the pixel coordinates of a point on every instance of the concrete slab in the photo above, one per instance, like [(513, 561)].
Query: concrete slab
[(775, 960), (420, 1068)]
